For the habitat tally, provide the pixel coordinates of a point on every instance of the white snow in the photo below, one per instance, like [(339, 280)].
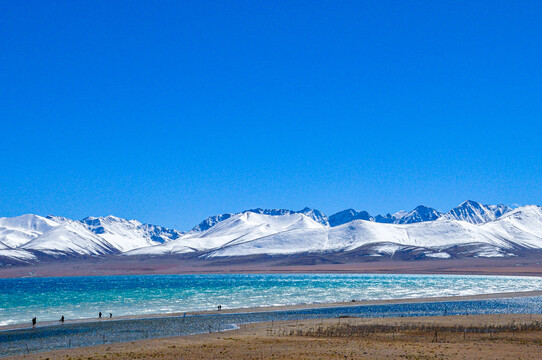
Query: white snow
[(476, 213), (400, 214), (238, 229), (70, 238), (122, 234), (251, 233), (19, 230), (60, 236), (17, 255), (438, 255)]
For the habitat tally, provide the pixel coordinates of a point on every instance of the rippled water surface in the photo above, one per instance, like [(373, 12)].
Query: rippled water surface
[(84, 297)]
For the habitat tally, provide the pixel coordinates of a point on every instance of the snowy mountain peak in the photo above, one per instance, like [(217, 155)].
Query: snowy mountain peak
[(238, 229), (470, 229), (499, 210), (109, 219), (510, 235), (273, 212), (25, 236), (316, 215), (70, 238), (28, 222), (345, 216), (129, 234), (476, 213), (58, 219), (19, 230), (400, 214), (384, 219), (211, 221), (420, 214), (528, 211)]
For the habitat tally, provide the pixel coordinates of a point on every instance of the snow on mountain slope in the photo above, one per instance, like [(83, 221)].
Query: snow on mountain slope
[(160, 234), (469, 211), (18, 255), (239, 228), (345, 216), (211, 221), (419, 214), (385, 219), (125, 235), (522, 226), (499, 210), (471, 229), (59, 236), (315, 215), (251, 234), (70, 238), (19, 230), (476, 213), (435, 236), (339, 238), (29, 222), (400, 214), (15, 254), (445, 233)]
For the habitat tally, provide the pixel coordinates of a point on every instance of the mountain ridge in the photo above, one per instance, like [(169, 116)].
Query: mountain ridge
[(470, 229)]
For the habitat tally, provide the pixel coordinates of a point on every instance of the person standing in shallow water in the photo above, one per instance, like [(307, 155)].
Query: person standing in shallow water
[(110, 315), (62, 319), (100, 315), (34, 321)]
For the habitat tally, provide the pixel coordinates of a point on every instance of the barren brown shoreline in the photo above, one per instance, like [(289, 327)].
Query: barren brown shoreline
[(524, 266), (505, 336)]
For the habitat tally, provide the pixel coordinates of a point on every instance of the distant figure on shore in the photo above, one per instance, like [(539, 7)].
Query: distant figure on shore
[(34, 321), (110, 315), (62, 319), (219, 307), (100, 315)]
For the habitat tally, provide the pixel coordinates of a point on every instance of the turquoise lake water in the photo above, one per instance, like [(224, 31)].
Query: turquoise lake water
[(83, 297)]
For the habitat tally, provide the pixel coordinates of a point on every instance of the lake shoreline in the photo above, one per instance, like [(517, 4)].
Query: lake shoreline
[(173, 265), (283, 308), (282, 340)]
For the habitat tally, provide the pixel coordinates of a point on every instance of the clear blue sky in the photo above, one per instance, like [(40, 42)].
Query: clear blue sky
[(170, 111)]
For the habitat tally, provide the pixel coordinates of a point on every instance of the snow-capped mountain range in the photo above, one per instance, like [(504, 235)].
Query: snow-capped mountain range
[(29, 237), (469, 230)]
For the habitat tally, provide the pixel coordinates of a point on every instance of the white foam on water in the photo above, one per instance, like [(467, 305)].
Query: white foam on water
[(84, 297)]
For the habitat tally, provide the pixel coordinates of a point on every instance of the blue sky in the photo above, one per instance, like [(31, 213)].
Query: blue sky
[(171, 111)]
